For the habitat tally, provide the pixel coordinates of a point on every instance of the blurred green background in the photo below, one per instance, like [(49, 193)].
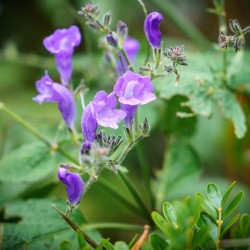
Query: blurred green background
[(23, 60)]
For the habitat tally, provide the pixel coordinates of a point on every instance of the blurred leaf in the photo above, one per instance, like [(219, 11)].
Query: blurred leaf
[(81, 241), (24, 169), (38, 226), (232, 111), (232, 206), (157, 243), (228, 192), (181, 167), (214, 195), (170, 214), (200, 236), (120, 245), (107, 244), (207, 206), (229, 223), (245, 225), (172, 124), (66, 245), (160, 221)]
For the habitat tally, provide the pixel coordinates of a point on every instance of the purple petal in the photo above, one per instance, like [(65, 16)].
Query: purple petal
[(89, 124), (74, 184), (111, 118), (54, 92), (151, 28), (130, 110)]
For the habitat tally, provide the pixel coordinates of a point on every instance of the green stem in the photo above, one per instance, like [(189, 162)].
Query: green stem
[(136, 197), (36, 133), (130, 66), (219, 224), (93, 178), (108, 225)]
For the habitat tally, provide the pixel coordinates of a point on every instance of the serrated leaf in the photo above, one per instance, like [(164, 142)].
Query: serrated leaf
[(214, 195), (232, 111), (170, 214), (160, 222), (120, 245), (108, 245), (228, 192), (232, 206), (207, 206), (156, 242), (227, 224), (38, 225), (26, 168)]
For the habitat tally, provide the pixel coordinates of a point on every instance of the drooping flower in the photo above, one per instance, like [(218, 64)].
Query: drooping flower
[(61, 44), (49, 91), (151, 28), (102, 110), (131, 47), (132, 90), (74, 185)]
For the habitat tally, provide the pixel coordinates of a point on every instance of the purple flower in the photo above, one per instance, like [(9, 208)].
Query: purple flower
[(61, 44), (151, 28), (50, 91), (74, 185), (132, 90), (131, 47), (100, 111)]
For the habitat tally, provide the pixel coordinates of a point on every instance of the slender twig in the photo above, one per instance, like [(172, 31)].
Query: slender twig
[(76, 228)]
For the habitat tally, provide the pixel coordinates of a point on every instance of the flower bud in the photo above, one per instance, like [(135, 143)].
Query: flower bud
[(234, 26), (107, 18), (223, 40), (239, 43), (112, 39), (151, 28), (122, 30), (145, 127), (169, 69)]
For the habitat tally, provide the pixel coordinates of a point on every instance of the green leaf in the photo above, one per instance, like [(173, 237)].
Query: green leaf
[(35, 224), (66, 245), (214, 195), (232, 111), (199, 237), (232, 206), (108, 245), (245, 225), (160, 222), (226, 195), (181, 168), (81, 240), (172, 124), (170, 214), (26, 169), (207, 206), (156, 242), (120, 245), (227, 224)]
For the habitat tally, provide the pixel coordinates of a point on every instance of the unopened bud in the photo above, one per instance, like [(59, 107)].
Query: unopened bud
[(239, 43), (112, 39), (168, 69), (122, 30), (107, 18), (234, 26), (145, 127)]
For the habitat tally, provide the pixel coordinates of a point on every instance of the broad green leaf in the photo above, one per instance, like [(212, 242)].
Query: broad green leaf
[(207, 206), (120, 245), (160, 222), (26, 169), (214, 195), (108, 245), (38, 225), (157, 243), (181, 169), (229, 223), (173, 124), (232, 111), (170, 214), (232, 206), (228, 192)]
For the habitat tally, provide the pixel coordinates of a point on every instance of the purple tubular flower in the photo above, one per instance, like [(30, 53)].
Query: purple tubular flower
[(61, 44), (151, 28), (132, 90), (131, 47), (74, 185), (50, 91), (100, 111)]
